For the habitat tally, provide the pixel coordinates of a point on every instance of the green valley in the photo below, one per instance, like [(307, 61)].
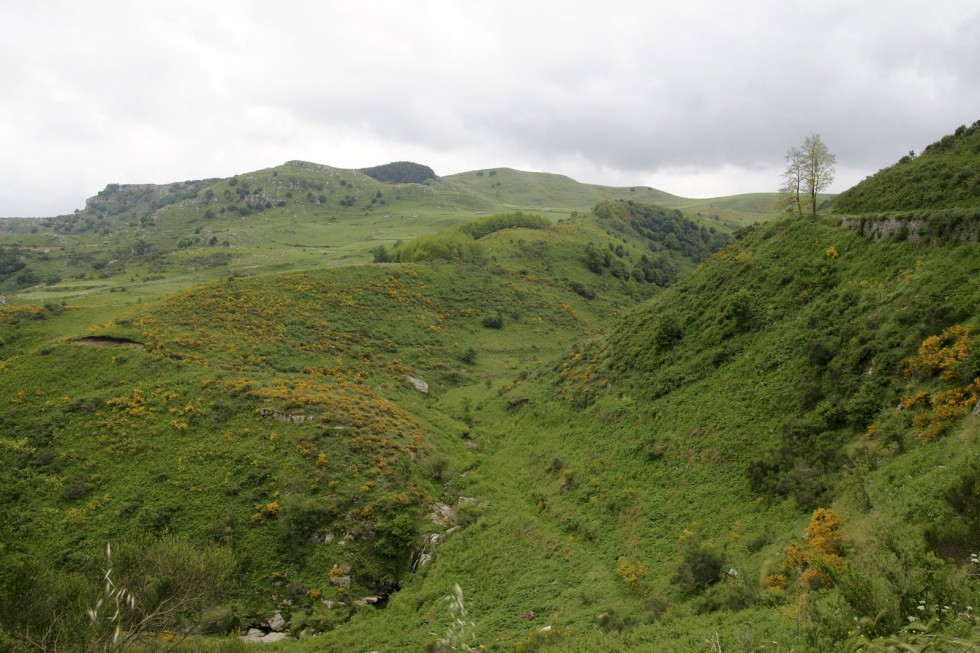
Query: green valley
[(383, 411)]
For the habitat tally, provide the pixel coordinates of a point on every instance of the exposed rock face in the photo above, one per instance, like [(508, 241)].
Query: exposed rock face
[(284, 417), (426, 551), (886, 228), (914, 230)]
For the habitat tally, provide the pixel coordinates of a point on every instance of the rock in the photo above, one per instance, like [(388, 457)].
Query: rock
[(466, 501), (367, 600), (340, 576), (330, 604), (976, 409), (257, 636), (277, 622), (418, 384), (442, 514)]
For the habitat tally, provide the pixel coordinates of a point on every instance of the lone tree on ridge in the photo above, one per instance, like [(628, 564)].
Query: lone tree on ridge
[(809, 170)]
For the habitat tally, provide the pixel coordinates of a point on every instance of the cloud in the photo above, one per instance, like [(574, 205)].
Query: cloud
[(707, 94)]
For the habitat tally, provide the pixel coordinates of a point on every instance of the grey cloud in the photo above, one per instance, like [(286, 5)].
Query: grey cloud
[(619, 89)]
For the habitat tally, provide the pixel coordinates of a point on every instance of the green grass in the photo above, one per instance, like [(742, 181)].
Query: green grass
[(598, 435), (289, 218)]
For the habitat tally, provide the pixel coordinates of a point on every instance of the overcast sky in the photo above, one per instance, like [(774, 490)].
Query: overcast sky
[(699, 98)]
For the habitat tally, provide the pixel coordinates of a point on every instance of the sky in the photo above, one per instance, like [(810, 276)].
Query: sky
[(699, 98)]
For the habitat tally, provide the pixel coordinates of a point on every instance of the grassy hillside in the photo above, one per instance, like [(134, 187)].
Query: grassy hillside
[(945, 175), (607, 428), (622, 486), (146, 240), (293, 423)]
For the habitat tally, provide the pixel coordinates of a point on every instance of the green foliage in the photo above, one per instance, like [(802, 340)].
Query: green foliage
[(664, 229), (493, 321), (952, 537), (274, 414), (396, 539), (400, 172), (942, 177), (147, 587), (492, 223), (700, 565), (450, 245), (380, 254), (803, 466)]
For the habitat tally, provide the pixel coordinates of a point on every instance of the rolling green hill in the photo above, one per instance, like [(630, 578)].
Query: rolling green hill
[(146, 240), (588, 419)]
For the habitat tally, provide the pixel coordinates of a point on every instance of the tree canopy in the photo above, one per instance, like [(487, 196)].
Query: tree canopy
[(400, 172)]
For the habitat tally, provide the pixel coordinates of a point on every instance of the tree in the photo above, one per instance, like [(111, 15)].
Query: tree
[(789, 192), (809, 170)]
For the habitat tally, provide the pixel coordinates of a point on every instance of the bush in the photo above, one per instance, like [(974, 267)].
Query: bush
[(468, 356), (700, 566), (494, 321), (220, 620)]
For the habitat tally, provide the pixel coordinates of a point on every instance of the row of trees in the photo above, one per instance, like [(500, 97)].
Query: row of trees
[(809, 170)]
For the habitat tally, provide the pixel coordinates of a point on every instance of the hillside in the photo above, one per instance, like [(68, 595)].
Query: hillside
[(291, 423), (146, 240), (621, 484), (945, 175), (546, 428)]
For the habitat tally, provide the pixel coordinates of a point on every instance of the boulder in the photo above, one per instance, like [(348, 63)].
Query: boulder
[(442, 514), (418, 384), (276, 622)]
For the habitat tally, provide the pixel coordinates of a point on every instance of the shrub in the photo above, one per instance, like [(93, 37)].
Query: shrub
[(494, 321), (220, 620), (700, 565)]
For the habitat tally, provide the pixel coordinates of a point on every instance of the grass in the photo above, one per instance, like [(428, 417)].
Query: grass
[(610, 448), (292, 217)]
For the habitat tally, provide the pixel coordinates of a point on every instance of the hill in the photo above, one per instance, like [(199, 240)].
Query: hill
[(600, 429), (145, 239), (945, 175), (291, 423), (644, 493)]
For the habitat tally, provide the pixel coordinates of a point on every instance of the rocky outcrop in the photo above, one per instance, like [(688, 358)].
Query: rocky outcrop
[(886, 228), (284, 417), (256, 636)]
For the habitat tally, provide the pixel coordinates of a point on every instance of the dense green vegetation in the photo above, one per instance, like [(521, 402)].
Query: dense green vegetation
[(608, 429), (945, 175), (400, 172)]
